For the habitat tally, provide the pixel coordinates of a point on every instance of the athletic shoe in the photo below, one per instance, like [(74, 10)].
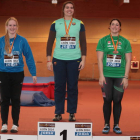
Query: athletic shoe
[(57, 117), (72, 118), (4, 128), (106, 129), (117, 129), (14, 129)]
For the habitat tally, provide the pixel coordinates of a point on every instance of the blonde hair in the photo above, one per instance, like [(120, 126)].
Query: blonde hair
[(7, 43)]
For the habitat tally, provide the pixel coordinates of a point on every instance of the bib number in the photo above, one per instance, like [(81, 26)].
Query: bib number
[(113, 60), (68, 43)]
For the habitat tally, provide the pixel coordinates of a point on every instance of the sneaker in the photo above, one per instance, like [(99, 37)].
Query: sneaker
[(117, 129), (106, 129), (14, 129), (4, 128), (72, 118), (57, 117)]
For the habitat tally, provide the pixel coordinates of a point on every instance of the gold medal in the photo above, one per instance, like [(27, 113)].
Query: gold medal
[(66, 35), (67, 30), (115, 52)]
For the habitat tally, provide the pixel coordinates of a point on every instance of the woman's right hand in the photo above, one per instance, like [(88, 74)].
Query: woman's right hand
[(50, 66), (102, 80)]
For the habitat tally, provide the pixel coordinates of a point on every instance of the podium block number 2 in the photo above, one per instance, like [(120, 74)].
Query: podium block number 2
[(64, 133)]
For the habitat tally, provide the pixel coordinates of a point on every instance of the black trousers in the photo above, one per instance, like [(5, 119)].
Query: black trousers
[(66, 72), (10, 86), (112, 92)]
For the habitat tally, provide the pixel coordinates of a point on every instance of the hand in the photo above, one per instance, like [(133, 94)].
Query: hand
[(81, 65), (50, 66), (102, 81), (34, 79), (125, 83)]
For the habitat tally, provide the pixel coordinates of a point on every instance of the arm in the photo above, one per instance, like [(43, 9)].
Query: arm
[(34, 79), (82, 63), (127, 69), (128, 63), (83, 45), (50, 42), (30, 60), (100, 66)]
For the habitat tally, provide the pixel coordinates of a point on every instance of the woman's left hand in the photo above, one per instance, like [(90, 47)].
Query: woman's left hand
[(81, 65), (34, 79), (125, 83)]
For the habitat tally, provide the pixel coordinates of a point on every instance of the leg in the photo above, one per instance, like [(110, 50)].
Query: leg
[(72, 85), (59, 68), (107, 96), (117, 97), (16, 84), (5, 96)]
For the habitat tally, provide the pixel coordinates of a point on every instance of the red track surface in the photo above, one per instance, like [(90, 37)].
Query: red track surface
[(89, 107)]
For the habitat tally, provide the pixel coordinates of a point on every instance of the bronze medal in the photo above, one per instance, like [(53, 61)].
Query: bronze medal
[(115, 52), (115, 46)]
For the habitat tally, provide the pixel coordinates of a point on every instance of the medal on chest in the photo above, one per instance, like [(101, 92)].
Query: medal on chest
[(67, 29), (115, 46)]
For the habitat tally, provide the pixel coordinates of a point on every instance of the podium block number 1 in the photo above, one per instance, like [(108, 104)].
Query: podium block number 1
[(64, 133)]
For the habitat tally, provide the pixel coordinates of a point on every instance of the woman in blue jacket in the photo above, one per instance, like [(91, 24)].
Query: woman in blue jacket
[(12, 47)]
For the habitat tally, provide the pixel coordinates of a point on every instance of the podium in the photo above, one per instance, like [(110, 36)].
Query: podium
[(64, 130)]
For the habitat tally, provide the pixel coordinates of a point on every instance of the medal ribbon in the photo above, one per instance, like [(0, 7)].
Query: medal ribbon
[(67, 30), (11, 47), (115, 46)]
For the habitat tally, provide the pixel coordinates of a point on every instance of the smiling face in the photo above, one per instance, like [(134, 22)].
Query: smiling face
[(68, 10), (115, 27), (12, 27)]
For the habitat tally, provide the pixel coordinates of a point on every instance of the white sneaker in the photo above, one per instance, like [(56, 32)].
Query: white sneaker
[(4, 128), (14, 129)]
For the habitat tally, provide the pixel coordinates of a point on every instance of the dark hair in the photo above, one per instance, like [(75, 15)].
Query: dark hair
[(64, 4), (117, 20)]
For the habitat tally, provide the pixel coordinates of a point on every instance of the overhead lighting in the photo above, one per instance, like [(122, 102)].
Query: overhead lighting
[(54, 1), (126, 1)]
